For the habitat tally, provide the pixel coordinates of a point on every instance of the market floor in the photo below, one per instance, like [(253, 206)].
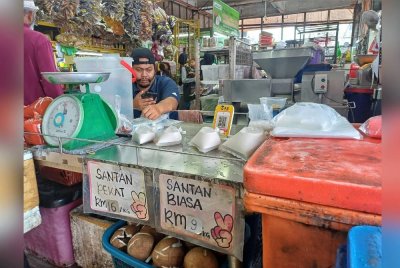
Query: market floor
[(37, 262)]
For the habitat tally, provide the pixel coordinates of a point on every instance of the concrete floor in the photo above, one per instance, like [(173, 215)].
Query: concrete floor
[(37, 262)]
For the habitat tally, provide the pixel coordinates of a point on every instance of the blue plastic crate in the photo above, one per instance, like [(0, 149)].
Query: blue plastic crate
[(120, 259), (364, 247), (123, 260)]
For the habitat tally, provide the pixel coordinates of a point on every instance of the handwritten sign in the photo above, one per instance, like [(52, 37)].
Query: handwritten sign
[(198, 209), (117, 189)]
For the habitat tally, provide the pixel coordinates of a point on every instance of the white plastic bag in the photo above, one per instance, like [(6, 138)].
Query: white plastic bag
[(313, 120), (157, 124), (260, 116), (265, 125), (143, 134), (207, 139), (244, 143), (170, 136), (259, 112)]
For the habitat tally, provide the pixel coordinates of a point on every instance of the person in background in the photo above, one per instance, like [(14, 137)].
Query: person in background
[(182, 60), (153, 95), (164, 69), (208, 59), (189, 84), (38, 57)]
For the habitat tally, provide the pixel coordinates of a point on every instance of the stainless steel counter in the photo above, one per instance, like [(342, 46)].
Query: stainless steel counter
[(180, 158)]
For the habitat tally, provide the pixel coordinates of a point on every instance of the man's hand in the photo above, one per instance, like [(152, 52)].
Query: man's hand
[(140, 104), (151, 112)]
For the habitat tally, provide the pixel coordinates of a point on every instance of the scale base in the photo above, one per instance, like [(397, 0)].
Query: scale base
[(99, 124)]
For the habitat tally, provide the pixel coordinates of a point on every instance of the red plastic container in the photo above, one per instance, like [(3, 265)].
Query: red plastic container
[(339, 173), (354, 70), (310, 192)]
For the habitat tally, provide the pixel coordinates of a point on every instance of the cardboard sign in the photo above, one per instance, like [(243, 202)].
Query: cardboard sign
[(199, 210), (118, 190)]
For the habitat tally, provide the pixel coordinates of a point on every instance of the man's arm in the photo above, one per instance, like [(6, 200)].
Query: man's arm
[(169, 101), (45, 62), (165, 106)]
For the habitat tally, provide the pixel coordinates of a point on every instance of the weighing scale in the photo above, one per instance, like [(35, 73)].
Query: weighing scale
[(76, 115)]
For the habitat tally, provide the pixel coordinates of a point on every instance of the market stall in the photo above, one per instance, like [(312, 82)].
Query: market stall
[(180, 191), (141, 187)]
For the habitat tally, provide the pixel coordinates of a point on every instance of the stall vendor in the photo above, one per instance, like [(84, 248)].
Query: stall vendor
[(38, 57), (153, 95)]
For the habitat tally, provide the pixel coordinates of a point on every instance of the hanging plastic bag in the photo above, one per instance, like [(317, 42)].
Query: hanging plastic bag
[(170, 136), (124, 124), (313, 120), (143, 134), (244, 143), (206, 140), (373, 127)]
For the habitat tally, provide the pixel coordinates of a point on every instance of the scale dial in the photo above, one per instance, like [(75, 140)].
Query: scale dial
[(63, 118)]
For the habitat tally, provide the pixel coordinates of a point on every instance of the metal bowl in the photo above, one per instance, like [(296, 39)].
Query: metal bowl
[(75, 77), (365, 59)]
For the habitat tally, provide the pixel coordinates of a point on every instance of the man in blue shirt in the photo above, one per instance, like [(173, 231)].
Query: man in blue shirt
[(153, 95)]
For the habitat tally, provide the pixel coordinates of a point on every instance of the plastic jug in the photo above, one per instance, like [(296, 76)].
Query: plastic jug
[(119, 83)]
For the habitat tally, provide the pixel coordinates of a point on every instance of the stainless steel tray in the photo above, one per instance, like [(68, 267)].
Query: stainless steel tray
[(75, 77)]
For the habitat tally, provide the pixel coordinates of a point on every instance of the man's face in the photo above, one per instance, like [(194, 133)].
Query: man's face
[(29, 17), (145, 74)]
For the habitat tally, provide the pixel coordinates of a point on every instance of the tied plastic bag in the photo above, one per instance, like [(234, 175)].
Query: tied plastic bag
[(124, 125), (373, 127), (170, 136), (143, 134), (206, 140), (244, 143), (157, 124), (313, 120), (260, 116)]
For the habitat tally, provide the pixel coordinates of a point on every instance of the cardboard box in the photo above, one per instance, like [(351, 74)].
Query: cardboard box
[(31, 195), (87, 232)]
